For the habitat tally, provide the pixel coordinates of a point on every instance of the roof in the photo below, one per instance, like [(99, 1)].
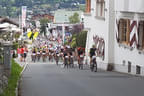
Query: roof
[(7, 24), (39, 16), (62, 16), (3, 20)]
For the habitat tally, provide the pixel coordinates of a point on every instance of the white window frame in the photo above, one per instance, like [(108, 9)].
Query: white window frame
[(100, 8)]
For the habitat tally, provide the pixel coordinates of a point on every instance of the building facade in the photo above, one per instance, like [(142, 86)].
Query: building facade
[(99, 22), (116, 28), (129, 32)]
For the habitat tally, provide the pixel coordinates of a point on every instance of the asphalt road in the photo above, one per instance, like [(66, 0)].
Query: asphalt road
[(47, 79)]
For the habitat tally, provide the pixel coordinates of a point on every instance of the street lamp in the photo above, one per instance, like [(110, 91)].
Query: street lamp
[(65, 18), (82, 18)]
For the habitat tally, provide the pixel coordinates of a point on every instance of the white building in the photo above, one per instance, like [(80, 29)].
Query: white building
[(129, 40), (99, 21), (116, 28)]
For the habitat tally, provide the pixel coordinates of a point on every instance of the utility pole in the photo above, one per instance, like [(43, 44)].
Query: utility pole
[(63, 32)]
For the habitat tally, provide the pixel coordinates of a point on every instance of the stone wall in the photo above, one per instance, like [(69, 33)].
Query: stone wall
[(3, 79), (5, 65)]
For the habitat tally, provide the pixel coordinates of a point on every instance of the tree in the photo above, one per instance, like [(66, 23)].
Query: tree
[(81, 39), (44, 23), (82, 7), (78, 40), (73, 42), (74, 18)]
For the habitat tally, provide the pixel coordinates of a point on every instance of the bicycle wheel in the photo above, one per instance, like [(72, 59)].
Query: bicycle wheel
[(43, 58), (91, 67), (95, 66), (34, 58)]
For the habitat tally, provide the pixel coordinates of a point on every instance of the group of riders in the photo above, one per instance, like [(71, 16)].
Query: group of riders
[(64, 53)]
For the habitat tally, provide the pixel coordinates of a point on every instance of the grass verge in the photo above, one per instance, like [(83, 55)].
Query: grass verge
[(13, 79)]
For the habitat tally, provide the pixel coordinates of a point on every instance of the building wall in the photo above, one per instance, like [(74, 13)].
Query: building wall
[(118, 54), (100, 27), (111, 34), (124, 54), (130, 5)]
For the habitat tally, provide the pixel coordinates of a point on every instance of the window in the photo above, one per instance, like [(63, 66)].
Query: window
[(100, 8), (138, 69), (141, 35), (124, 31), (88, 6)]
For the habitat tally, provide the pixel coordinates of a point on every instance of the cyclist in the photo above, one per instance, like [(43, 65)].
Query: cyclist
[(66, 57), (80, 57), (44, 55), (50, 55), (34, 54), (92, 52), (25, 53), (71, 59), (38, 55), (56, 57), (93, 63)]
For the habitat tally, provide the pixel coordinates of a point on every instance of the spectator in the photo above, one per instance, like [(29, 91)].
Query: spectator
[(18, 52), (25, 53), (22, 53)]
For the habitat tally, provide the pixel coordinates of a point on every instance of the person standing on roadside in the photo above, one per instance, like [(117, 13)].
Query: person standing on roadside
[(22, 53), (25, 53), (18, 52)]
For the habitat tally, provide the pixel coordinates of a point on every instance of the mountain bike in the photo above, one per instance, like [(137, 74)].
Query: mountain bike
[(81, 61), (93, 65), (38, 56), (57, 59), (66, 61), (44, 57), (71, 61)]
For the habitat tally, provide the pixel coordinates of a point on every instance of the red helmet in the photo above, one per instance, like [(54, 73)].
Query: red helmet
[(79, 49), (83, 49)]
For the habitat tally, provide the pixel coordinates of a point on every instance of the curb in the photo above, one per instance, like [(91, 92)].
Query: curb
[(18, 83)]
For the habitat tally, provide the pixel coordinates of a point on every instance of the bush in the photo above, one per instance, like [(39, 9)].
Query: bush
[(73, 43), (81, 39)]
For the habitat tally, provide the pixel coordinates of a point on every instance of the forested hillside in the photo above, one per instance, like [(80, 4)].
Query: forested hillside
[(12, 7)]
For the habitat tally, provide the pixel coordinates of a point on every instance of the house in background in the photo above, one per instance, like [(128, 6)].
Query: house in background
[(41, 16), (62, 24), (116, 27), (7, 25), (8, 28), (62, 15)]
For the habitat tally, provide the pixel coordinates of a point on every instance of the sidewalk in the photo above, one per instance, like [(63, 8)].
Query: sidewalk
[(22, 64)]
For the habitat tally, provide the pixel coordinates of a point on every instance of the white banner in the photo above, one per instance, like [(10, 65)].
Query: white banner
[(24, 9)]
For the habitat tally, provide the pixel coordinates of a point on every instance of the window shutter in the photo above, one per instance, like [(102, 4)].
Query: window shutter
[(100, 1), (128, 32), (141, 35), (88, 6)]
